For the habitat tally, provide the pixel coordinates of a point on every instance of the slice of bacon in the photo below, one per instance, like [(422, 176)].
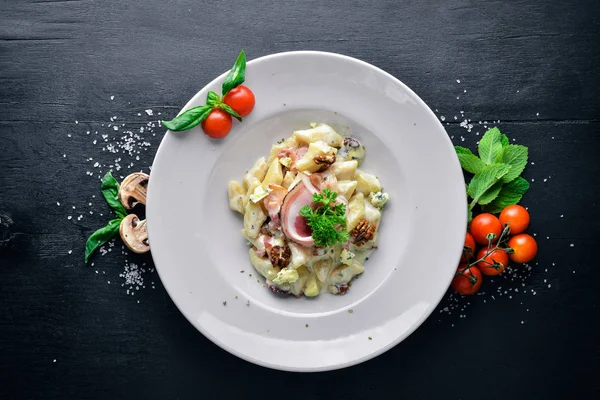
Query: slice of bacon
[(294, 226), (273, 202)]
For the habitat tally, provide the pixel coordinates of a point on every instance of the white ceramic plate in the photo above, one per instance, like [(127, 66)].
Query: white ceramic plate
[(200, 253)]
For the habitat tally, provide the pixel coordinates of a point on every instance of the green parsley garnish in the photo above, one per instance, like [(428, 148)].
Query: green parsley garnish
[(327, 220)]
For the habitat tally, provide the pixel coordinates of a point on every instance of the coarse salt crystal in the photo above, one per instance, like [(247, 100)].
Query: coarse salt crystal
[(112, 97), (149, 112)]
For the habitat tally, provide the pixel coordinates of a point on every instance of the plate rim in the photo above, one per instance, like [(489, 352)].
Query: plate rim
[(424, 316)]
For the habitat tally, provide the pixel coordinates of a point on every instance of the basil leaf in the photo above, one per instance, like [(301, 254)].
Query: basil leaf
[(230, 110), (110, 191), (514, 155), (484, 180), (510, 194), (237, 75), (189, 119), (469, 161), (101, 236), (504, 140), (490, 146), (212, 99)]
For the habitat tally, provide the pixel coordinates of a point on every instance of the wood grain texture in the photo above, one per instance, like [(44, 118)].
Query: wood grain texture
[(61, 61)]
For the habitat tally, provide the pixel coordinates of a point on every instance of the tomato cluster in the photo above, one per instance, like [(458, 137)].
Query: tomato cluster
[(501, 238), (218, 123)]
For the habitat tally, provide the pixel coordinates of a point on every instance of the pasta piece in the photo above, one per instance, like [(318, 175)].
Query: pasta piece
[(356, 211), (346, 188), (296, 287), (252, 185), (262, 265), (345, 273), (322, 269), (254, 217), (274, 174), (236, 196), (372, 213), (345, 170), (279, 147), (300, 255), (288, 179), (317, 149), (367, 183), (312, 288), (322, 132), (257, 172)]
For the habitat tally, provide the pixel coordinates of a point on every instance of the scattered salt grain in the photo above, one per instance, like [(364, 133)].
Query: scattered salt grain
[(112, 98), (458, 81), (70, 251), (149, 112), (58, 203)]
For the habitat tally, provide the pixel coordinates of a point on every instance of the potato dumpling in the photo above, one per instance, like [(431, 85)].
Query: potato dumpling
[(274, 174), (236, 196), (345, 273), (316, 149), (345, 170), (319, 132), (254, 217), (356, 211), (367, 183), (258, 171), (262, 265), (312, 288), (346, 188)]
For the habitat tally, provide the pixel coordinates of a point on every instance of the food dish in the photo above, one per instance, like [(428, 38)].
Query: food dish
[(199, 253), (297, 250)]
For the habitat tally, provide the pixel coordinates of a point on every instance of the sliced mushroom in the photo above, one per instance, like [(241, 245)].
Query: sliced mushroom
[(134, 234), (133, 190)]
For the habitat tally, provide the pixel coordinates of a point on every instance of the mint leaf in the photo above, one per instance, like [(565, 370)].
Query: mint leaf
[(490, 194), (101, 236), (469, 161), (484, 180), (212, 99), (510, 194), (490, 146), (237, 75), (188, 119), (514, 155), (110, 191), (504, 140)]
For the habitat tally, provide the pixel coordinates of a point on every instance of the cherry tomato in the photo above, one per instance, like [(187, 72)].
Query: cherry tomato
[(217, 124), (494, 263), (517, 217), (484, 224), (524, 246), (469, 249), (241, 99), (469, 282)]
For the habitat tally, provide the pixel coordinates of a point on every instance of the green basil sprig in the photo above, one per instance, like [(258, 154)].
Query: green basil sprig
[(496, 183), (195, 116), (237, 75), (101, 236), (110, 191)]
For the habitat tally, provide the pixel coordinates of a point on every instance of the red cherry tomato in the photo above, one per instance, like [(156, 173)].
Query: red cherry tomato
[(494, 263), (217, 124), (241, 99), (469, 281), (469, 249), (483, 225), (524, 246), (517, 217)]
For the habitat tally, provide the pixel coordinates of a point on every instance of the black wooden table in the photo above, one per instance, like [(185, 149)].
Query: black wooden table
[(79, 77)]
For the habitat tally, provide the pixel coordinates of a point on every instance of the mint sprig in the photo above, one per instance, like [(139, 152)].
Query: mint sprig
[(496, 183)]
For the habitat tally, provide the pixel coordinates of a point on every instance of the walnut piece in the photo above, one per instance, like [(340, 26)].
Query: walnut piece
[(280, 256), (326, 160), (363, 232)]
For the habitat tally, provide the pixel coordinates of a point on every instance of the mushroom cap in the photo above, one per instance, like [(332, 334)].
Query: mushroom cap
[(133, 190), (134, 234)]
